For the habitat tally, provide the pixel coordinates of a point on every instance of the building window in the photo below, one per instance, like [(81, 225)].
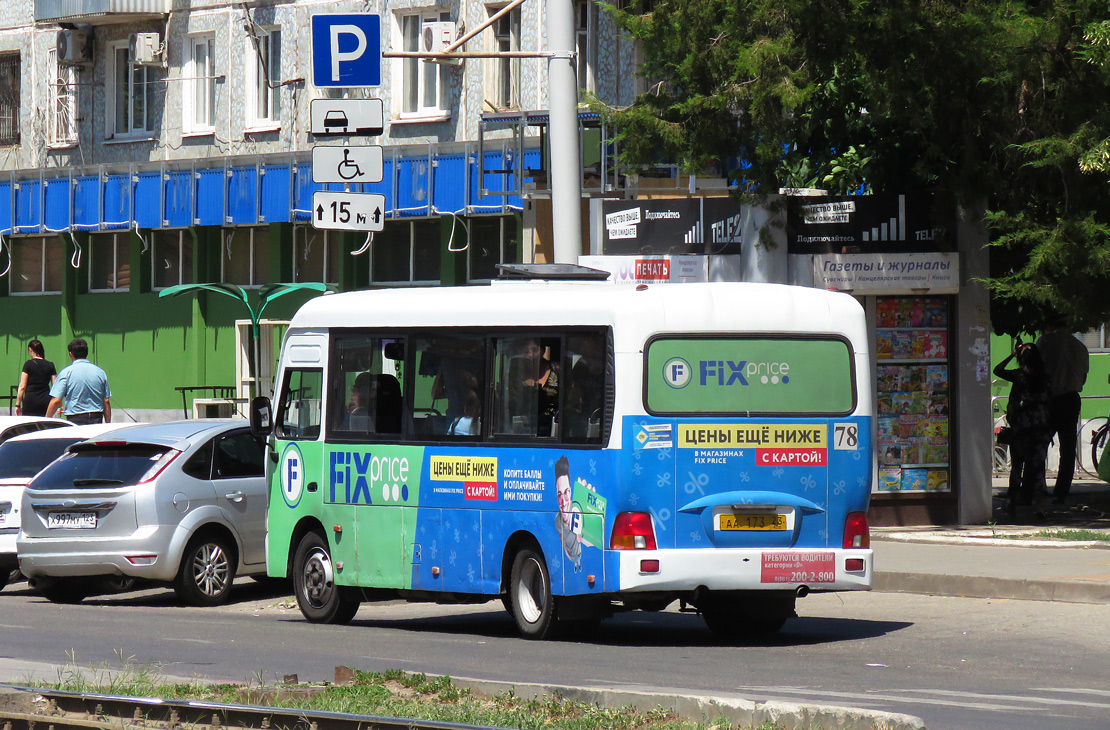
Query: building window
[(130, 91), (172, 258), (9, 98), (315, 256), (246, 256), (1096, 340), (63, 101), (585, 46), (493, 241), (109, 262), (264, 97), (406, 252), (200, 84), (503, 86), (424, 84), (36, 265)]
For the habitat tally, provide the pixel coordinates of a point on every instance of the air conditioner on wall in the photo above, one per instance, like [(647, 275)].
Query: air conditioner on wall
[(146, 49), (436, 36), (74, 46)]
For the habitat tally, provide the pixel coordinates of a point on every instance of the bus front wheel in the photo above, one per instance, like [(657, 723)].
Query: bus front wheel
[(320, 599), (530, 595)]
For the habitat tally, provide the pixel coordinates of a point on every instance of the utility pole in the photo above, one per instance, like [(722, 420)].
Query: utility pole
[(566, 156)]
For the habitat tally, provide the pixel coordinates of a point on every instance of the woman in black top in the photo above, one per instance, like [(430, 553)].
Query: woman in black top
[(34, 383), (1027, 416)]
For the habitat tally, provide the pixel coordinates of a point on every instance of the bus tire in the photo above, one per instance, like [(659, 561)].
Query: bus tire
[(320, 600), (530, 595)]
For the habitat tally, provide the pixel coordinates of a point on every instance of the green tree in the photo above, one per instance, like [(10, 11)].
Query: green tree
[(970, 100)]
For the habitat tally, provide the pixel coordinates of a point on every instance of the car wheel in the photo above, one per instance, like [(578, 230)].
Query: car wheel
[(62, 590), (206, 572), (530, 595), (320, 599)]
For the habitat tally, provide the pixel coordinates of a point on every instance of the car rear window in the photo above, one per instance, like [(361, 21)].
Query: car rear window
[(98, 467), (24, 459)]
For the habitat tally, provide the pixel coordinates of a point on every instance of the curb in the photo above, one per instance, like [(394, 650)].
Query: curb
[(985, 537), (705, 708), (968, 586)]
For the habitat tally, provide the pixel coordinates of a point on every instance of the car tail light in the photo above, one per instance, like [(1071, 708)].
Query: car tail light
[(163, 460), (632, 531), (141, 559), (856, 532)]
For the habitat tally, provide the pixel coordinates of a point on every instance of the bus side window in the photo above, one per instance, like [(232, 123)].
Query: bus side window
[(585, 387), (298, 414), (366, 394), (527, 387)]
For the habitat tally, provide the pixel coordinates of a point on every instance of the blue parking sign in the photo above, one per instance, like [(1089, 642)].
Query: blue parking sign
[(346, 50)]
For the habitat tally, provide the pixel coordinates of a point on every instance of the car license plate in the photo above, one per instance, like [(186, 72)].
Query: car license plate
[(754, 521), (71, 520)]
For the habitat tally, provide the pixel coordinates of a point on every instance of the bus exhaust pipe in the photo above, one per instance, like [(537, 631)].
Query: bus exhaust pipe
[(802, 591)]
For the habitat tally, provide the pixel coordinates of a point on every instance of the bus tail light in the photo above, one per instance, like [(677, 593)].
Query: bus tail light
[(856, 532), (632, 531)]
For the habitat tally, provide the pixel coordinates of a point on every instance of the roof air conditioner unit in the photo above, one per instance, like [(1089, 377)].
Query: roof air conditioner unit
[(73, 46), (146, 49), (436, 36)]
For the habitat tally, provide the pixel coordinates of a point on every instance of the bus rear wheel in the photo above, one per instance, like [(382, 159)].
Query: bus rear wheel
[(321, 601), (533, 605)]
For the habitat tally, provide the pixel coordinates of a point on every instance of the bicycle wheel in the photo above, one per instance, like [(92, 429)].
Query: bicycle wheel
[(1091, 442)]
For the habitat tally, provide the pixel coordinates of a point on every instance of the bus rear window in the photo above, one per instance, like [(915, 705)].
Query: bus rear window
[(749, 375)]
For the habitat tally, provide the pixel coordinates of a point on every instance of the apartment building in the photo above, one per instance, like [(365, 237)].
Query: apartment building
[(150, 143)]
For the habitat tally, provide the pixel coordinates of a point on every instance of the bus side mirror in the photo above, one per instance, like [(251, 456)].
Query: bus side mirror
[(261, 418)]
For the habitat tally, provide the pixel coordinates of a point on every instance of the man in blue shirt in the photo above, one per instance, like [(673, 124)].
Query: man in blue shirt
[(83, 387)]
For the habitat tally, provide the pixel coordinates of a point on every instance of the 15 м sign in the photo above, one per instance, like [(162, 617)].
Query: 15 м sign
[(348, 211)]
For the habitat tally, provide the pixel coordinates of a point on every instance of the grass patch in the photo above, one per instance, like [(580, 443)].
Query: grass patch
[(1078, 535), (392, 693)]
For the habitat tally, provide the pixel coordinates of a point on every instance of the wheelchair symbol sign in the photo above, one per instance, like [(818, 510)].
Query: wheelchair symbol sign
[(360, 164), (346, 50)]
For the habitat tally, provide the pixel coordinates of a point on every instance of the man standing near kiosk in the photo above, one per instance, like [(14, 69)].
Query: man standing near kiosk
[(1066, 360)]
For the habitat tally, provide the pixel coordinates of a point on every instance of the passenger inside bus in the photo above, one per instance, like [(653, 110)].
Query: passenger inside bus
[(375, 404), (534, 382), (470, 422)]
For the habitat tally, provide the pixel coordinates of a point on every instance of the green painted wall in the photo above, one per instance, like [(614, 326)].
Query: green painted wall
[(1097, 384)]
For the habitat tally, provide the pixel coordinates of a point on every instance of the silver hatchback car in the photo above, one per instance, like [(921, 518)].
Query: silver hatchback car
[(182, 503)]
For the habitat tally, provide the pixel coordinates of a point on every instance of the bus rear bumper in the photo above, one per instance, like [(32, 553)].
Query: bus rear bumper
[(746, 569)]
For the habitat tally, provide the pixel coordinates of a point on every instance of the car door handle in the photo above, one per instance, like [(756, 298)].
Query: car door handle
[(235, 496)]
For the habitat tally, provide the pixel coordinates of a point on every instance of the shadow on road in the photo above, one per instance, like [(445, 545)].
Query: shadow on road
[(646, 630)]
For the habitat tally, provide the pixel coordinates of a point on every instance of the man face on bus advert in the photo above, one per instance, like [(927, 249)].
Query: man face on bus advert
[(562, 485)]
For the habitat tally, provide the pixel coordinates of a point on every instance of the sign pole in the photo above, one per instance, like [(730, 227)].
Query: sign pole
[(566, 157)]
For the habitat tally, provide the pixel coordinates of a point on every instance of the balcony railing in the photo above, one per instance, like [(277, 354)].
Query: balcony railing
[(98, 12)]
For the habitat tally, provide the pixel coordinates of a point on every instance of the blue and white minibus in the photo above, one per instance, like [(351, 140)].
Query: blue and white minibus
[(573, 448)]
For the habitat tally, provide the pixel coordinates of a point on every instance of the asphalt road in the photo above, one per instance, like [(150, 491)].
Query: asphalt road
[(961, 664)]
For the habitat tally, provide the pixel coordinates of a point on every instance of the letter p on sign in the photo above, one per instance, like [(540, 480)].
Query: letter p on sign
[(346, 50)]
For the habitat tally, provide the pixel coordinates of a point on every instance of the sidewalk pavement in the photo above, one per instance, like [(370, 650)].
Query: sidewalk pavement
[(1006, 558)]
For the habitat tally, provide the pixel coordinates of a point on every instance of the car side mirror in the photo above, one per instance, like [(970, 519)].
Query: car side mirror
[(262, 422)]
